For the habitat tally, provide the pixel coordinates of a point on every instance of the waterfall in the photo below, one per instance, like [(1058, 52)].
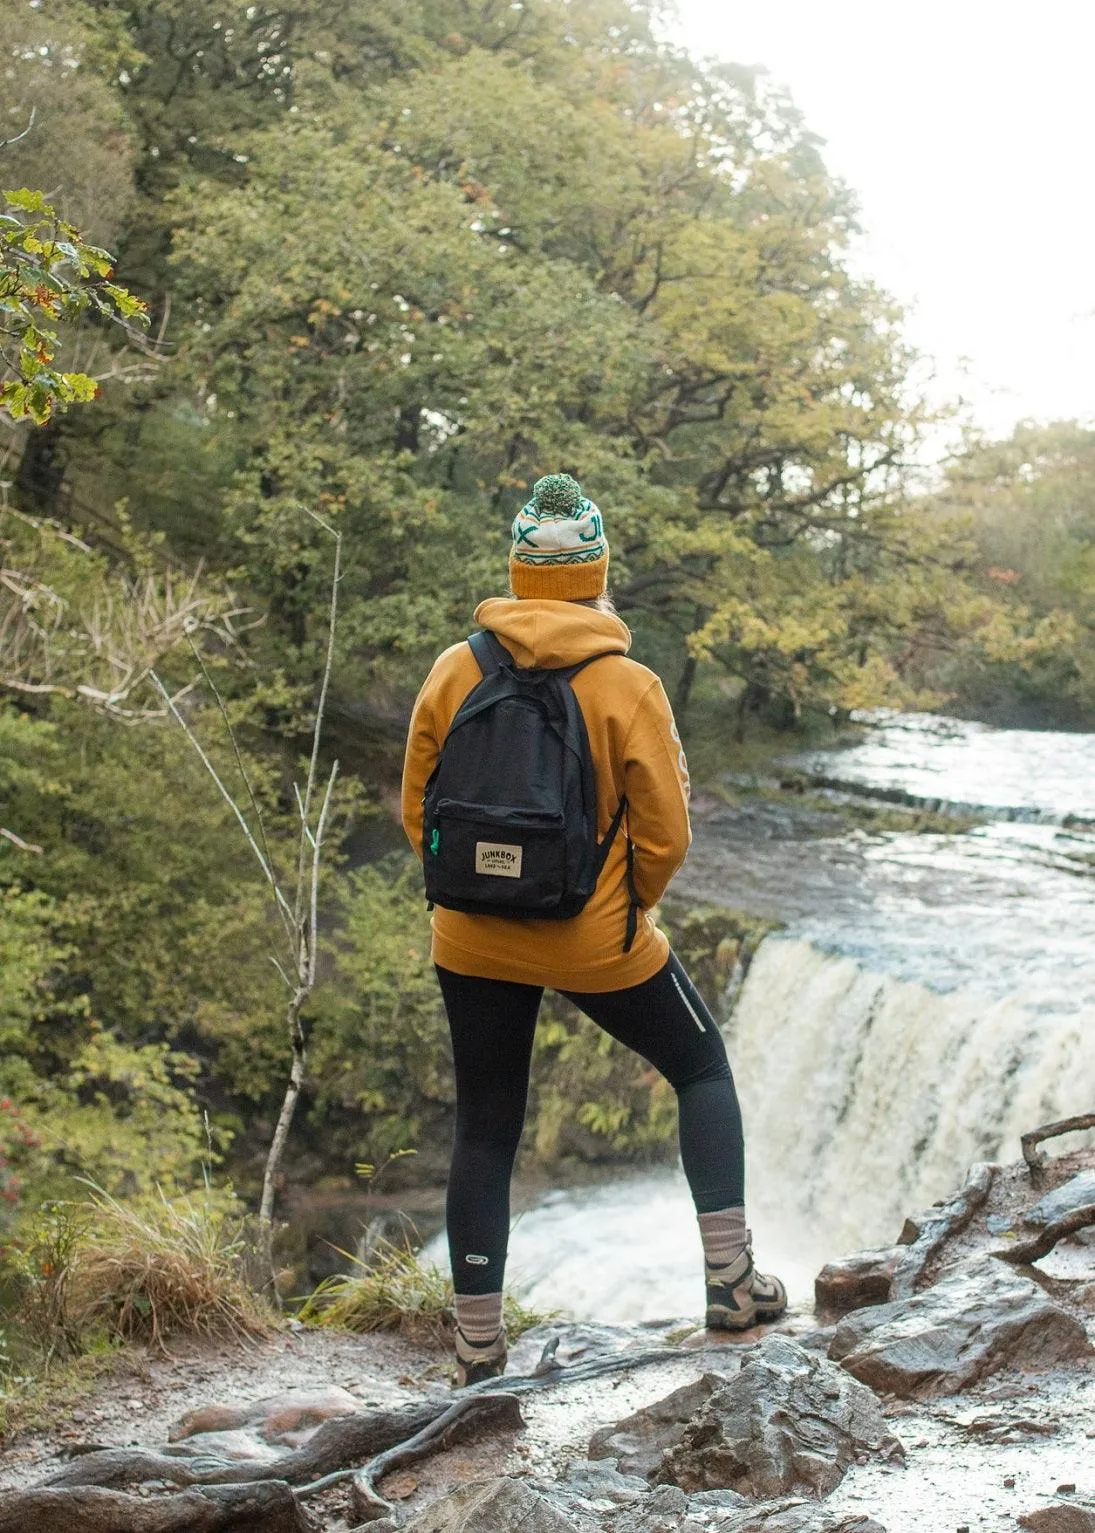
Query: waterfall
[(866, 1096)]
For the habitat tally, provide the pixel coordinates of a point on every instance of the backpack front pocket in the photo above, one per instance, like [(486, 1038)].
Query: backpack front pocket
[(495, 859)]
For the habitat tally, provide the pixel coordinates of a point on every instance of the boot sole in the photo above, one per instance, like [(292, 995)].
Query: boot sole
[(475, 1373), (719, 1318)]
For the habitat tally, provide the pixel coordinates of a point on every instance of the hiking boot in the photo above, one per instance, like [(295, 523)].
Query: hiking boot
[(475, 1363), (738, 1296)]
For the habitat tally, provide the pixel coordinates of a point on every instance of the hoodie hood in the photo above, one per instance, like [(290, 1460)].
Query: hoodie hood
[(539, 632)]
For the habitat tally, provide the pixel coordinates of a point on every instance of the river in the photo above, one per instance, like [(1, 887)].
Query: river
[(928, 998)]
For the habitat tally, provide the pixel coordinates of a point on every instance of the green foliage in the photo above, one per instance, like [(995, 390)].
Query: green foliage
[(390, 307), (62, 119), (379, 1040), (1030, 504), (136, 934), (49, 276), (394, 1291)]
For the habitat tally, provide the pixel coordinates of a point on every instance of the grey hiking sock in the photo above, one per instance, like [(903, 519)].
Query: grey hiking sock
[(724, 1236), (479, 1317)]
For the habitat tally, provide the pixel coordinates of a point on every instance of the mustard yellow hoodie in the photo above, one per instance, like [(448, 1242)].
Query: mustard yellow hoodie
[(636, 750)]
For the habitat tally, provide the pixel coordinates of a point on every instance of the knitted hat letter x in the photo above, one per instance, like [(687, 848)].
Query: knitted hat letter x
[(559, 546)]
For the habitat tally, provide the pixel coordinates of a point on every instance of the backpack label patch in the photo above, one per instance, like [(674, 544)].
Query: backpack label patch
[(498, 860)]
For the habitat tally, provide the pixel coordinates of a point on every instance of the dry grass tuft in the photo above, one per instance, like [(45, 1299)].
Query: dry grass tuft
[(394, 1291), (150, 1270)]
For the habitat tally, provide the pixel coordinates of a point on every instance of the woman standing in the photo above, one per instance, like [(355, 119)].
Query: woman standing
[(610, 959)]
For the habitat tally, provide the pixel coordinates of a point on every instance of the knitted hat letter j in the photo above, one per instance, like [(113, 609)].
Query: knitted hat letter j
[(559, 546)]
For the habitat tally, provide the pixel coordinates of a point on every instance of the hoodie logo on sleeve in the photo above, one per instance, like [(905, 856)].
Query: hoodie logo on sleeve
[(682, 763)]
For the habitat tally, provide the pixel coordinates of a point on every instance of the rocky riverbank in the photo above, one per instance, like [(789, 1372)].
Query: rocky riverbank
[(947, 1382)]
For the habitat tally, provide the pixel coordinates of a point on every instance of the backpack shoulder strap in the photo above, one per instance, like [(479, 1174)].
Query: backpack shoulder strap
[(490, 653), (570, 671)]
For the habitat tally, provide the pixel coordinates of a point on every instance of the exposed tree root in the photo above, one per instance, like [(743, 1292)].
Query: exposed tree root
[(270, 1506), (499, 1411), (341, 1441), (1035, 1158), (1042, 1244), (83, 1497)]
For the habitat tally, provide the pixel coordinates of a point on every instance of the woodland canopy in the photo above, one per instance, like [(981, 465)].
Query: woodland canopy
[(398, 258)]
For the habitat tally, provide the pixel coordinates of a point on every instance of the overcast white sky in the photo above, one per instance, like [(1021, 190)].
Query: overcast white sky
[(967, 130)]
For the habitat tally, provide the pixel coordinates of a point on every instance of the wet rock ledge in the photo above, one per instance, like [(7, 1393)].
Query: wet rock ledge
[(947, 1381)]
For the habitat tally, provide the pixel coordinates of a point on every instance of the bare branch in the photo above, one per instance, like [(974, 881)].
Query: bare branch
[(268, 872), (309, 788), (256, 811), (1030, 1141), (317, 844), (24, 846), (7, 142), (98, 642), (288, 982)]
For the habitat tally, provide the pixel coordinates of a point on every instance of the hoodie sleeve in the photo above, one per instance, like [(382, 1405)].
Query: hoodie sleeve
[(657, 785), (423, 749)]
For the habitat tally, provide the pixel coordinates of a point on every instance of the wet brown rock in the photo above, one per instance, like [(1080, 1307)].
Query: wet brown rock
[(895, 1272), (790, 1422), (286, 1419), (924, 1235), (978, 1319), (864, 1277), (639, 1442), (209, 1418)]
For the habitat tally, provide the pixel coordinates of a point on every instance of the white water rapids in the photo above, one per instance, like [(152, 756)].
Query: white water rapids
[(930, 998)]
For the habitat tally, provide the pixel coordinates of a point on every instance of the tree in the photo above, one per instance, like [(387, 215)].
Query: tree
[(1029, 502), (298, 915)]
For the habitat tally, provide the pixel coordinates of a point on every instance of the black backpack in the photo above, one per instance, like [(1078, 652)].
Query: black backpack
[(510, 822)]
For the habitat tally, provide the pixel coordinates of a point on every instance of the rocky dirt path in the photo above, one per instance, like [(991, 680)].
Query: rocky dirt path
[(940, 1386)]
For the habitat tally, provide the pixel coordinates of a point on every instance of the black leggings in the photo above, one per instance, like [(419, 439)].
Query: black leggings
[(492, 1022)]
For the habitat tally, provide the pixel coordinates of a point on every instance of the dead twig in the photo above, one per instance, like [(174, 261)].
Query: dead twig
[(305, 927), (1036, 1158), (95, 639), (1042, 1244)]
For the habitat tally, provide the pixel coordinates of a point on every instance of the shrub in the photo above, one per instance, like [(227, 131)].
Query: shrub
[(394, 1291), (147, 1270)]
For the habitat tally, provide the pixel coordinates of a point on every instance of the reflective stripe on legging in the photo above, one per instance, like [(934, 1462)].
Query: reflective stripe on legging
[(492, 1023)]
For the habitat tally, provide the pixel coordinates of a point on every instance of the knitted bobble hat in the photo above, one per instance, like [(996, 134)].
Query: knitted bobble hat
[(559, 546)]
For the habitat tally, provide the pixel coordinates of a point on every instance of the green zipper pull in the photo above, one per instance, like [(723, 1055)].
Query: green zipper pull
[(435, 840)]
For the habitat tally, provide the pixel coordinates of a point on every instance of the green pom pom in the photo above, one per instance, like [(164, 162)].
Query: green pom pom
[(557, 495)]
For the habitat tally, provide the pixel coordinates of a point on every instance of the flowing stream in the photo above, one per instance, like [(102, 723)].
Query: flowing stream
[(929, 997)]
